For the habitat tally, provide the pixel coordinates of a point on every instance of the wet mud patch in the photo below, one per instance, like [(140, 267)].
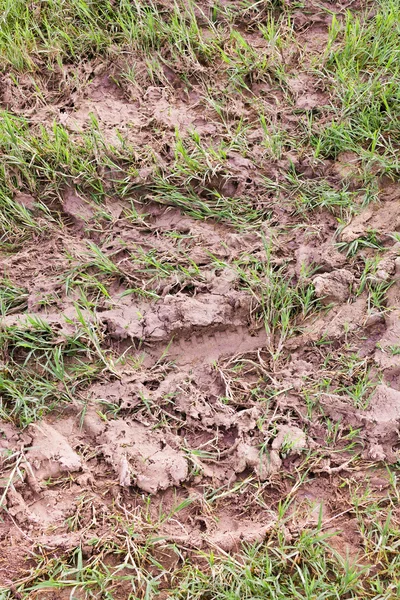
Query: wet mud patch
[(199, 339)]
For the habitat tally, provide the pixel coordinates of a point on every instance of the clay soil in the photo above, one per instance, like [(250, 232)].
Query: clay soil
[(200, 300)]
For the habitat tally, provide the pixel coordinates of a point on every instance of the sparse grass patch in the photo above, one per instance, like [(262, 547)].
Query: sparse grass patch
[(276, 139), (74, 30), (16, 221), (12, 297), (195, 183), (306, 568), (42, 367), (280, 304), (317, 193), (362, 63), (369, 240), (43, 160), (240, 212), (354, 378), (144, 273)]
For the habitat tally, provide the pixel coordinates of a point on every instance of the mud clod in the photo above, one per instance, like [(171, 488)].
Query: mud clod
[(333, 287), (144, 456), (290, 440), (51, 455), (265, 464)]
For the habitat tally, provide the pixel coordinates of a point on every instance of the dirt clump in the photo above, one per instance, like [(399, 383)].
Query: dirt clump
[(51, 455), (25, 200), (229, 533), (322, 256), (150, 459), (76, 208), (373, 218), (290, 439), (379, 422), (385, 406), (333, 287), (306, 93), (264, 465), (175, 314)]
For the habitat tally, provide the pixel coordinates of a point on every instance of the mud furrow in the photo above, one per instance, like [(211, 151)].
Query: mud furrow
[(208, 347), (192, 346)]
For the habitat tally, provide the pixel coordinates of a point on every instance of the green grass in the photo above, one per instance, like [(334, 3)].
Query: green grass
[(77, 29), (318, 194), (43, 367), (345, 374), (281, 304), (196, 179), (370, 240), (143, 273), (45, 161), (306, 569), (362, 65), (12, 298)]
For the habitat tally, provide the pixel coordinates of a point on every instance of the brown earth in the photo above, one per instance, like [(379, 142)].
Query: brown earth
[(198, 406)]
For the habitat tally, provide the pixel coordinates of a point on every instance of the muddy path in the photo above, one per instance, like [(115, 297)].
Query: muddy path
[(201, 322)]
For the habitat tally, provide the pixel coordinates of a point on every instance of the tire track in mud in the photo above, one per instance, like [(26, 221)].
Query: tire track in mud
[(207, 346), (204, 346)]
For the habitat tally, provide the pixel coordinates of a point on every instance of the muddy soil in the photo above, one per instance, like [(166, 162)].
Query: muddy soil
[(198, 405)]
